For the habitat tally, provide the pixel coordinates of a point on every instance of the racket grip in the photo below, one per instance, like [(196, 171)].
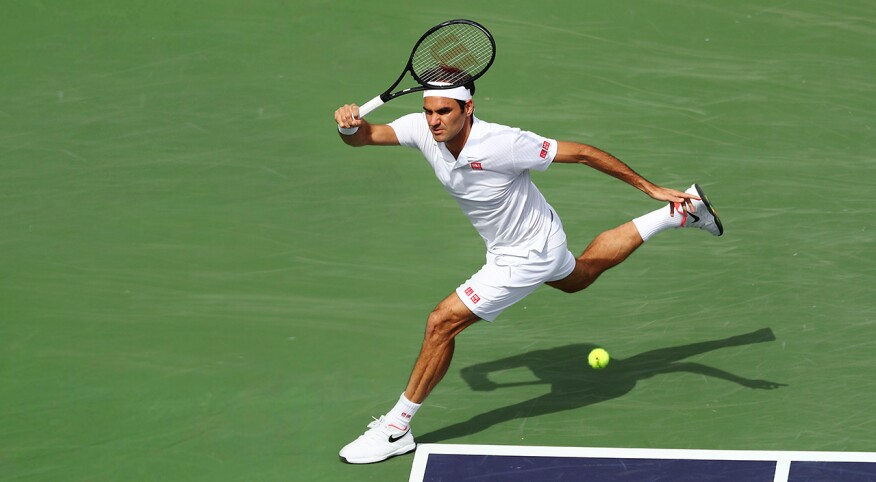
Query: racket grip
[(370, 106)]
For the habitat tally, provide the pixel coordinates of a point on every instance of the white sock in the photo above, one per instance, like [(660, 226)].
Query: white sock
[(402, 413), (657, 221)]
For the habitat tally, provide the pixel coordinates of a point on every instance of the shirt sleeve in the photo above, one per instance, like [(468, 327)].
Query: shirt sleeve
[(532, 151), (408, 129)]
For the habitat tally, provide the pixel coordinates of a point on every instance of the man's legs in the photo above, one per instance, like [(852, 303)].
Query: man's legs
[(606, 251), (613, 246), (447, 320), (390, 435)]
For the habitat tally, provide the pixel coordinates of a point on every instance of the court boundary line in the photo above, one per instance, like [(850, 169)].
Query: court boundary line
[(783, 459)]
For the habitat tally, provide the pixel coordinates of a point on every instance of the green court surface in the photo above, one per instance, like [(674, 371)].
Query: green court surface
[(200, 282)]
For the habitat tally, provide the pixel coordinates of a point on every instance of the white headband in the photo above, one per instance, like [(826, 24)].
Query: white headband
[(458, 93)]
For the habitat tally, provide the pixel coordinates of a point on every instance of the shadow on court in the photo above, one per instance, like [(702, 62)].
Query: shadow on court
[(574, 385)]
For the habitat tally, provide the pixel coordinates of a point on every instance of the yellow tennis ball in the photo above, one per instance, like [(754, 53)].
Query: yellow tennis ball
[(598, 358)]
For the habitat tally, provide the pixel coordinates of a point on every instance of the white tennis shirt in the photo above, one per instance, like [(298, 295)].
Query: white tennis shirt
[(491, 180)]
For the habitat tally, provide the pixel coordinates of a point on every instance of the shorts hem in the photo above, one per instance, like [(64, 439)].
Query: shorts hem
[(474, 308), (572, 263)]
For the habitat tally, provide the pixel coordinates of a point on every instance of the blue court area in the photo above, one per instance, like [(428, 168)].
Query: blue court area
[(441, 463)]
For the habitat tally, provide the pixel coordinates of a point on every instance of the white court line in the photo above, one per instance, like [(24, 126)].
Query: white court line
[(783, 470), (783, 458)]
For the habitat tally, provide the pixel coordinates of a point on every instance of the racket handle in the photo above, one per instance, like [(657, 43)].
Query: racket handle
[(370, 106)]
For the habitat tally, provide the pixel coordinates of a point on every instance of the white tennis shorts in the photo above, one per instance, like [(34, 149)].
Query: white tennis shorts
[(505, 280)]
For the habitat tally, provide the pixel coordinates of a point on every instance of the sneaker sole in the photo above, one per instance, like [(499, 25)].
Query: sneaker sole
[(374, 460), (712, 211)]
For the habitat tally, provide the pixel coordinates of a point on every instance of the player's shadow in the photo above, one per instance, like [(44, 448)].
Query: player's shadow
[(573, 384)]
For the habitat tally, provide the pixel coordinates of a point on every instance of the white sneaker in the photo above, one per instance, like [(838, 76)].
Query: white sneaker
[(704, 215), (381, 441)]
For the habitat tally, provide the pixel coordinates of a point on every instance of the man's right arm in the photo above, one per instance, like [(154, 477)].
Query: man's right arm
[(347, 117)]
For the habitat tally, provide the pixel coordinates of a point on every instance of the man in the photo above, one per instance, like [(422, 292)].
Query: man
[(485, 167)]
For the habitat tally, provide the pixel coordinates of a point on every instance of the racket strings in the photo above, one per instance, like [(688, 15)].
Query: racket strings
[(453, 54)]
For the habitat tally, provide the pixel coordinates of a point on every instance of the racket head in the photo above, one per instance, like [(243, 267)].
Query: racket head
[(452, 54), (449, 55)]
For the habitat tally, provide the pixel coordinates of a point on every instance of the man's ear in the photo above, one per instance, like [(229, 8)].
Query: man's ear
[(469, 107)]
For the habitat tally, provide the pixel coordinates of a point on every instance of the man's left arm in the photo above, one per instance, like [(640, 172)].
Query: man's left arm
[(576, 153)]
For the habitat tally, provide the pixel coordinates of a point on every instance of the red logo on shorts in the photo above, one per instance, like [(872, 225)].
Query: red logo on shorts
[(471, 294), (476, 166)]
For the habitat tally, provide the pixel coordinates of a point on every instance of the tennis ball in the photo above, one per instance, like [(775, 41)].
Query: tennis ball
[(598, 358)]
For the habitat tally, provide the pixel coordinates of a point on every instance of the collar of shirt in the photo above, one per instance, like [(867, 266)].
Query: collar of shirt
[(473, 137)]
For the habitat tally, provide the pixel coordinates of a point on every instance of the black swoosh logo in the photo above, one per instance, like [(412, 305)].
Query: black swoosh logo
[(393, 440), (695, 217)]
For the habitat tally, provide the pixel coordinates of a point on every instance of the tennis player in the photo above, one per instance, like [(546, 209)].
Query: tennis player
[(486, 168)]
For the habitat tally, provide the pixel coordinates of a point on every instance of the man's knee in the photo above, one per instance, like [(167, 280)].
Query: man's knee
[(573, 288), (570, 285), (443, 324), (439, 325), (578, 280)]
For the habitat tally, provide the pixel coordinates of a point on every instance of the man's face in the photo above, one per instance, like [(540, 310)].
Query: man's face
[(445, 117)]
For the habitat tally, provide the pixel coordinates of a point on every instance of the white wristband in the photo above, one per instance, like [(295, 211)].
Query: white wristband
[(347, 131)]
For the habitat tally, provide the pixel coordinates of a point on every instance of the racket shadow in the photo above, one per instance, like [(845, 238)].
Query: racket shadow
[(573, 385)]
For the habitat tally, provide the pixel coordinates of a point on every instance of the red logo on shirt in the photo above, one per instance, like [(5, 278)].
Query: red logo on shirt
[(544, 149), (475, 299), (468, 291), (476, 166)]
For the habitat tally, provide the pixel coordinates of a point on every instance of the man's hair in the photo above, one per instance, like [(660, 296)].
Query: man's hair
[(471, 88), (440, 74)]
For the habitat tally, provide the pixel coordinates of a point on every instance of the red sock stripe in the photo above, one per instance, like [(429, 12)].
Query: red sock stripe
[(683, 213)]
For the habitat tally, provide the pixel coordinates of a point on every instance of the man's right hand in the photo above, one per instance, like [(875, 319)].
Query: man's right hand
[(358, 132), (348, 116)]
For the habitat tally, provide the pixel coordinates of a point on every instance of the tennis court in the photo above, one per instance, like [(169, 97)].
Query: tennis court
[(202, 283)]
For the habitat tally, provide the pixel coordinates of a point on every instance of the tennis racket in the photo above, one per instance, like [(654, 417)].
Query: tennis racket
[(451, 54)]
